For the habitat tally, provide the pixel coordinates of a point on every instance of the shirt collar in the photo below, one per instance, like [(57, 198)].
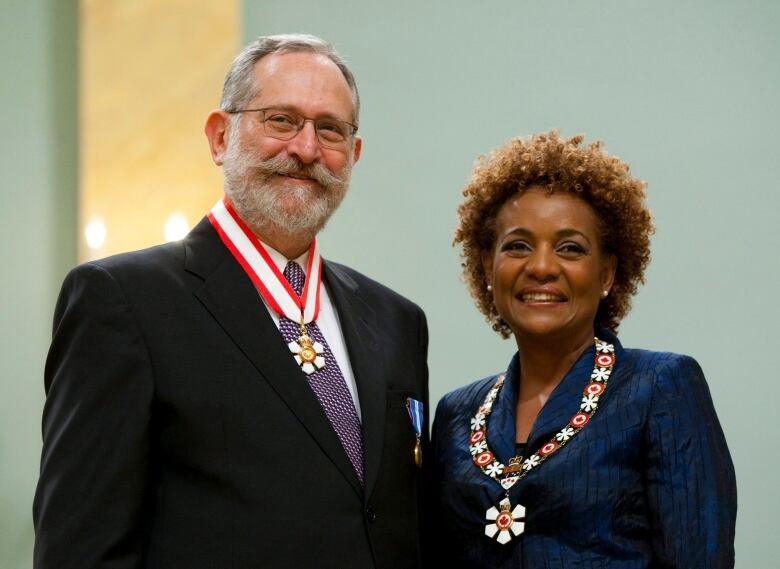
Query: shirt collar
[(281, 261)]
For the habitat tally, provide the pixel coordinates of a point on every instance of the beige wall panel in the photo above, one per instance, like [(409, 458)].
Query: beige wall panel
[(151, 70)]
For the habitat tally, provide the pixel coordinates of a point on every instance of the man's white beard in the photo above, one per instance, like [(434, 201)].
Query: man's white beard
[(299, 210)]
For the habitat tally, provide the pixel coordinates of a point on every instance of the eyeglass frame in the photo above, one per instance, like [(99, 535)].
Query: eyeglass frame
[(306, 119)]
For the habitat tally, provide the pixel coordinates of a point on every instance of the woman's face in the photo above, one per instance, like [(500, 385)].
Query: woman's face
[(547, 268)]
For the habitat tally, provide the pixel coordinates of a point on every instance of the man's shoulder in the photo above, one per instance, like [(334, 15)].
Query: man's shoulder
[(159, 258), (364, 285), (164, 254)]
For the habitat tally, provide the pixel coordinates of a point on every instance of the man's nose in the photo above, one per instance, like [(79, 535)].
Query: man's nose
[(305, 145)]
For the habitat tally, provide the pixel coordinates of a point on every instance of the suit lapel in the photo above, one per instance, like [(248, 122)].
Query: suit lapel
[(565, 399), (563, 403), (359, 327), (230, 297), (501, 422)]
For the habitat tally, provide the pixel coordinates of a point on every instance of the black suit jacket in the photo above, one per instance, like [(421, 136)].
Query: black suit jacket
[(179, 432)]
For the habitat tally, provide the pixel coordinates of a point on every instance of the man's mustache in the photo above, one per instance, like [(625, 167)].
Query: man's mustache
[(285, 165)]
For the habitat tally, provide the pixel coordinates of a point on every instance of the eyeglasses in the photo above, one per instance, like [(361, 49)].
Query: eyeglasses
[(285, 125)]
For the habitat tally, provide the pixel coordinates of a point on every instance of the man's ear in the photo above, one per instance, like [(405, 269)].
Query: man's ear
[(217, 125), (357, 148)]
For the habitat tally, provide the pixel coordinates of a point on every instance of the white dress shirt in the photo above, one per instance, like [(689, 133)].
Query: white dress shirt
[(327, 321)]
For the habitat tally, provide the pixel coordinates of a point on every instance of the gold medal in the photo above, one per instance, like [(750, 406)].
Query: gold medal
[(418, 452), (415, 410), (307, 353)]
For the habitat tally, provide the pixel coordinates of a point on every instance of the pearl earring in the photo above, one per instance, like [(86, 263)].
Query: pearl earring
[(489, 288), (604, 293)]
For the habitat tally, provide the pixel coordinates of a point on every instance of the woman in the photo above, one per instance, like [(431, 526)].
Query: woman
[(582, 453)]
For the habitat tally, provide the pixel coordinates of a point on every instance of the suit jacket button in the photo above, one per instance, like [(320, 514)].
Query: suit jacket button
[(370, 514)]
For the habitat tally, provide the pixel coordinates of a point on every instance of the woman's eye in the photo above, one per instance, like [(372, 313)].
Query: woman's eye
[(518, 246), (571, 248)]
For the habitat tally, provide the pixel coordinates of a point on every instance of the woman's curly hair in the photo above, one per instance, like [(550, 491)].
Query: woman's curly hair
[(558, 165)]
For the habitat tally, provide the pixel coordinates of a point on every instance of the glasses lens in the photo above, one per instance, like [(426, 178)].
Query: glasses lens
[(280, 125), (332, 132)]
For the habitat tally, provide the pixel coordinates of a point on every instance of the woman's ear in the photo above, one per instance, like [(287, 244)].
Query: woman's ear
[(608, 269), (487, 267)]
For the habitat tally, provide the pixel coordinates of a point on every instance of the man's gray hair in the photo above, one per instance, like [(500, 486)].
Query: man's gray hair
[(239, 87)]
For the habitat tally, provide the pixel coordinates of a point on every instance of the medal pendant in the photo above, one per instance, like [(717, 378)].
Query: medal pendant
[(515, 465), (505, 522), (307, 354), (418, 453)]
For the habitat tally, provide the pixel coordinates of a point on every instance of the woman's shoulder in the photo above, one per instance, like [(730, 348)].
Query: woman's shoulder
[(665, 370), (640, 361), (657, 361), (464, 398)]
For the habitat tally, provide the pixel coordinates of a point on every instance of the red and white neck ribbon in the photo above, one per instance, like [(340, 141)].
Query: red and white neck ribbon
[(262, 270)]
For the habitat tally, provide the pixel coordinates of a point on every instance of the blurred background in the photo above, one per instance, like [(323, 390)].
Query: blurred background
[(102, 106)]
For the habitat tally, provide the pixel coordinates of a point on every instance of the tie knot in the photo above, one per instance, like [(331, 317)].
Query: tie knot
[(294, 275)]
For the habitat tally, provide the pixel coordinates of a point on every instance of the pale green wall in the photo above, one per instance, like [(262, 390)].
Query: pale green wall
[(38, 162), (687, 92)]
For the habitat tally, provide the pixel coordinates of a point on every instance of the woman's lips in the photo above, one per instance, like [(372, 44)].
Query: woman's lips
[(538, 297), (541, 295)]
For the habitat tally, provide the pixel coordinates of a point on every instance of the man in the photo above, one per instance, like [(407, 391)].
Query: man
[(227, 401)]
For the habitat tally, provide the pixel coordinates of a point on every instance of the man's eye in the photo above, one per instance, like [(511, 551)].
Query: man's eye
[(331, 130), (281, 120)]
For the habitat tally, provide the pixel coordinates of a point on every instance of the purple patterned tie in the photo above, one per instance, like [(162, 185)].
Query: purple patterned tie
[(327, 383)]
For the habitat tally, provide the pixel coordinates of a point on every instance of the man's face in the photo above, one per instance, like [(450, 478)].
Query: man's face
[(293, 185)]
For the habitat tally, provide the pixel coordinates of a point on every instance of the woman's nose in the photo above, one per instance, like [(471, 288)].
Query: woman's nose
[(543, 264)]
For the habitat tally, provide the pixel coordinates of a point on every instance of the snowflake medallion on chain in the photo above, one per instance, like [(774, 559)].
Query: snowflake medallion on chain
[(506, 521)]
